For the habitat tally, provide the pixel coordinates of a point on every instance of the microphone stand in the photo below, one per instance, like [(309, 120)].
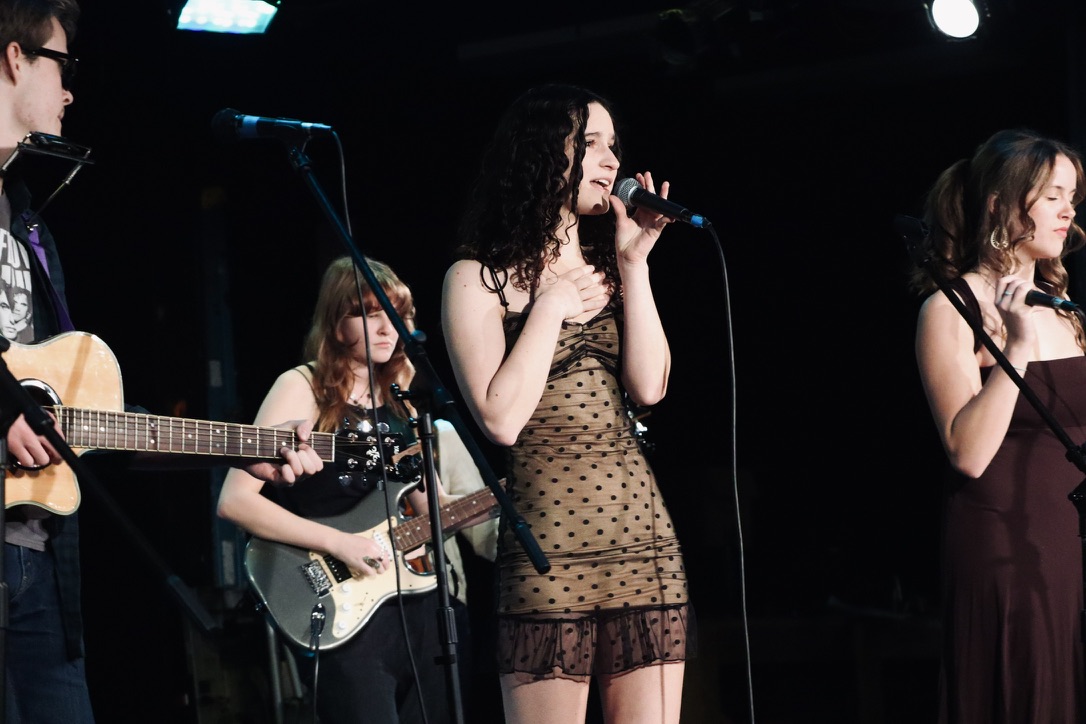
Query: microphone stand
[(429, 395), (446, 618), (913, 231)]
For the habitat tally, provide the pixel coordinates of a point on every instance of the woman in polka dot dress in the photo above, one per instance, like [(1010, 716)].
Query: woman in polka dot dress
[(551, 327)]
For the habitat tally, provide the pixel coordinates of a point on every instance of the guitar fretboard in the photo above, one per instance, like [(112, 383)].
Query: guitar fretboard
[(105, 430), (416, 531)]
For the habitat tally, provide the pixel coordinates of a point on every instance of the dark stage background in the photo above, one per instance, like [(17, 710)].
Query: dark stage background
[(800, 128)]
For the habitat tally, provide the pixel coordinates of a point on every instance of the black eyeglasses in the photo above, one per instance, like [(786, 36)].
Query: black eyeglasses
[(67, 63)]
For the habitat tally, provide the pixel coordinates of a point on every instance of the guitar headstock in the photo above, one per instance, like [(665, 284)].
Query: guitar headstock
[(360, 454)]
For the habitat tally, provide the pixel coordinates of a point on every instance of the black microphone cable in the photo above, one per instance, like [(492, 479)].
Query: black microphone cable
[(744, 615), (316, 628)]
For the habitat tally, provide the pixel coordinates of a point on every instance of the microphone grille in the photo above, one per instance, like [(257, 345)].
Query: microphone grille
[(624, 190), (224, 124)]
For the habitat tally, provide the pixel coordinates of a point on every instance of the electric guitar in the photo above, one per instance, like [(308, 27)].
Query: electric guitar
[(77, 377), (304, 590)]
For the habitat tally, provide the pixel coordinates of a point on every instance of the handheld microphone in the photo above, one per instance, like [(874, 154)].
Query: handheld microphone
[(229, 125), (631, 194), (1040, 299)]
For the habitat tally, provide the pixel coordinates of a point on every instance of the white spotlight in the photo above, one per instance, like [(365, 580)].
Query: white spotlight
[(956, 18), (227, 16)]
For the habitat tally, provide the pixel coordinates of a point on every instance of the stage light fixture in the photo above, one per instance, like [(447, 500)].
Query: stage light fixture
[(227, 16), (954, 18)]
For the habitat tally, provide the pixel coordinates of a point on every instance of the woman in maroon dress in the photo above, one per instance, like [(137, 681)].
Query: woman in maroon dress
[(1000, 223)]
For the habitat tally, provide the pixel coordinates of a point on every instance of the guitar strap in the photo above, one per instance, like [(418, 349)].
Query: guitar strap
[(35, 242)]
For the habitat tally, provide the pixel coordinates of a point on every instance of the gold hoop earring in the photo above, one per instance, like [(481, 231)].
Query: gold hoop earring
[(1002, 241)]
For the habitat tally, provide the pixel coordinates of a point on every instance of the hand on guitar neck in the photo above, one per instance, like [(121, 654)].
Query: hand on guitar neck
[(298, 461), (77, 381)]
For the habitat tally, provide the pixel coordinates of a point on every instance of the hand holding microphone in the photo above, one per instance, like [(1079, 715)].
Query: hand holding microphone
[(632, 195), (1035, 298)]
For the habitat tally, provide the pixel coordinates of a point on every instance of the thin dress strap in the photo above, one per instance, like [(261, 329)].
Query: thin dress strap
[(496, 283), (959, 285)]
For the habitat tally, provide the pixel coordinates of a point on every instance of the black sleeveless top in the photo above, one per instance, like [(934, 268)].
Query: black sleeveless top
[(334, 490)]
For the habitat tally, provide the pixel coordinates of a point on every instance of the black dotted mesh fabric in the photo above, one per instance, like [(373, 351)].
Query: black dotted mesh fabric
[(616, 593)]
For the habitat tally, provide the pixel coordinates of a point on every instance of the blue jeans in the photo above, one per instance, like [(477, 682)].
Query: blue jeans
[(43, 685)]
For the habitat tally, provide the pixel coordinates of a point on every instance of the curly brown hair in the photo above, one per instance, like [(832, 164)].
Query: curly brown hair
[(344, 292), (1008, 167), (514, 214)]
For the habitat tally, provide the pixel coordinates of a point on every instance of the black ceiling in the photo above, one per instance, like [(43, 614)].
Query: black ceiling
[(727, 40), (721, 38)]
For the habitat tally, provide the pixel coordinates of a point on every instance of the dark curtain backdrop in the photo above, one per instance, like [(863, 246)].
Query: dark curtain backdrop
[(798, 143)]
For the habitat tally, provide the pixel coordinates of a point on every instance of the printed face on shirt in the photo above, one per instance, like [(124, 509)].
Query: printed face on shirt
[(16, 311), (20, 305), (7, 318), (20, 309), (14, 315)]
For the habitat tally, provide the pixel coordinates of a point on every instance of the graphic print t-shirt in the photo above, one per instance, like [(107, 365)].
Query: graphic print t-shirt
[(24, 524), (16, 307)]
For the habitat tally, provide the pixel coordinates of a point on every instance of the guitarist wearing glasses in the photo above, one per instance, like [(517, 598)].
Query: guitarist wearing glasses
[(331, 555), (45, 678)]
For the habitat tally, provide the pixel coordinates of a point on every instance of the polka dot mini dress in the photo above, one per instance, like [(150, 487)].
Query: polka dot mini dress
[(615, 596)]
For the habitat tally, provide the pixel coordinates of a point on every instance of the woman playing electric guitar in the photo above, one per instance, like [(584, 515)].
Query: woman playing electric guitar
[(354, 355)]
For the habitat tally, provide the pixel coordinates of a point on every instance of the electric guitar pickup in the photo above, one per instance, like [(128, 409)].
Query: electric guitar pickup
[(292, 583)]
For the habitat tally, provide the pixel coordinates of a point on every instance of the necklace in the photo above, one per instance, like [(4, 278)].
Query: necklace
[(360, 400)]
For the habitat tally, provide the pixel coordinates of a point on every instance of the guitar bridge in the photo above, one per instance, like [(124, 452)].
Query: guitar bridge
[(317, 578)]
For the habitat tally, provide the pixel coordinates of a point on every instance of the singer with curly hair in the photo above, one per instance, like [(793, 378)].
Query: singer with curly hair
[(552, 329)]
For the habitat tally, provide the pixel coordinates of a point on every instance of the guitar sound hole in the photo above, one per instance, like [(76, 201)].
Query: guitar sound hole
[(43, 395), (31, 468)]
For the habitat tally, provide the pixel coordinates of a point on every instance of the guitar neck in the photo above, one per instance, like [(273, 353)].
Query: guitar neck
[(106, 430), (416, 531)]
